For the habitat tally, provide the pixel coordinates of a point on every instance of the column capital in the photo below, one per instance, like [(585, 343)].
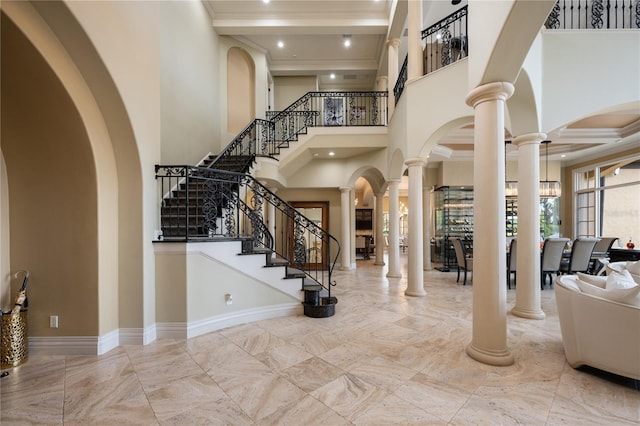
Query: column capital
[(393, 42), (394, 181), (529, 138), (344, 189), (416, 161), (490, 92), (382, 83)]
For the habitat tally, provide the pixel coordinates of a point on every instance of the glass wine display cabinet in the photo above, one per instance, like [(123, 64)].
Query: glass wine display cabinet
[(453, 207)]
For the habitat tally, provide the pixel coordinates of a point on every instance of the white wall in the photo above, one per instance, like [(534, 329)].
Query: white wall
[(594, 54)]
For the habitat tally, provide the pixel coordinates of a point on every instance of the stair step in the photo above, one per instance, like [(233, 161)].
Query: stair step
[(314, 287), (295, 273), (278, 261)]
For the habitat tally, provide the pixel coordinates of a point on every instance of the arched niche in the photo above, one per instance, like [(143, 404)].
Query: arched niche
[(240, 90)]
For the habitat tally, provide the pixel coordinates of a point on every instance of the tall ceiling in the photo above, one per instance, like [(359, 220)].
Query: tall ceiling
[(312, 33)]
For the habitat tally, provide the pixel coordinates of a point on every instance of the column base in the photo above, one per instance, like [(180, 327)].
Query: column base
[(497, 358), (344, 268), (415, 293), (394, 275), (381, 263), (527, 313)]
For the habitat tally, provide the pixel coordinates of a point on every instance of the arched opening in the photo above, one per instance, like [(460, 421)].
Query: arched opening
[(240, 90), (52, 191), (99, 213)]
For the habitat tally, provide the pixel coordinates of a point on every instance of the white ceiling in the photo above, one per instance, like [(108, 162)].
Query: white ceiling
[(313, 31)]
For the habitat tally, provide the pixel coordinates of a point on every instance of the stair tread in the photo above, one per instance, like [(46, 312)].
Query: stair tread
[(313, 287), (278, 262), (294, 271)]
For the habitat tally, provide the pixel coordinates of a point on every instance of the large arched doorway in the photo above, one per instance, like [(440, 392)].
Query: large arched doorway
[(75, 212)]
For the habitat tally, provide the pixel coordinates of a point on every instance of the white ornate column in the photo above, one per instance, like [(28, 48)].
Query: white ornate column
[(379, 225), (489, 338), (394, 229), (415, 274), (345, 240), (528, 255), (392, 64), (382, 83), (426, 223), (414, 41)]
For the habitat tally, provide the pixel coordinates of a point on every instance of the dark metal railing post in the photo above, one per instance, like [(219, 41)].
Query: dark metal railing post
[(594, 14)]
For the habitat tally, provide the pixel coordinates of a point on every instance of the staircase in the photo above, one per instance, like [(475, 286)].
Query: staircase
[(219, 200)]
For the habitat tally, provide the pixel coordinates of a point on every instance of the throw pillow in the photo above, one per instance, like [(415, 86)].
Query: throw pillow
[(634, 267), (629, 296), (593, 279), (620, 281)]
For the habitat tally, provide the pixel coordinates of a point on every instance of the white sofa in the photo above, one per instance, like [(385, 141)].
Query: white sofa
[(596, 331)]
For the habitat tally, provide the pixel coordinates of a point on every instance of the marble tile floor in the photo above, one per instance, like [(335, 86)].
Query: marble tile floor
[(383, 359)]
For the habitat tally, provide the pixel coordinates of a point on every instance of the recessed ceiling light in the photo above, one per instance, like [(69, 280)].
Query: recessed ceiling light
[(266, 1), (563, 155), (331, 153), (346, 40), (332, 76), (280, 44), (315, 154)]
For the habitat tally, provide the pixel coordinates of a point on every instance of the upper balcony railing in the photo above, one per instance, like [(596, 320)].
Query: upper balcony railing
[(594, 14), (444, 43)]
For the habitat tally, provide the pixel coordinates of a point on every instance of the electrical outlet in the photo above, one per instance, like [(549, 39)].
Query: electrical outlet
[(53, 321), (228, 298)]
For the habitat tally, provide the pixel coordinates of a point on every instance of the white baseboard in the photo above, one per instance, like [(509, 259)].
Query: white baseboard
[(219, 322), (92, 345)]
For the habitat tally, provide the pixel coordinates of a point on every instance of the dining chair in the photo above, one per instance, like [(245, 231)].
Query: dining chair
[(551, 258), (511, 262), (600, 254), (465, 261), (604, 244), (580, 259)]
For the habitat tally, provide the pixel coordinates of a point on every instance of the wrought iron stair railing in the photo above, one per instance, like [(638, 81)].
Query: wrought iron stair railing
[(314, 109), (201, 204)]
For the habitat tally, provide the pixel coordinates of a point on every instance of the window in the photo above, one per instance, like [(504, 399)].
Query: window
[(607, 200)]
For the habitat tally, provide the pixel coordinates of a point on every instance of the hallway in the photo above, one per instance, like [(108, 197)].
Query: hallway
[(382, 359)]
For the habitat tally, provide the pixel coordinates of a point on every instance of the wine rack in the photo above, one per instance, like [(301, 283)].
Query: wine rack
[(453, 218)]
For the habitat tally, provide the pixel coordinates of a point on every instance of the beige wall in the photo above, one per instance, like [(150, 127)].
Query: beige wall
[(52, 192), (289, 89), (189, 83), (5, 256)]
